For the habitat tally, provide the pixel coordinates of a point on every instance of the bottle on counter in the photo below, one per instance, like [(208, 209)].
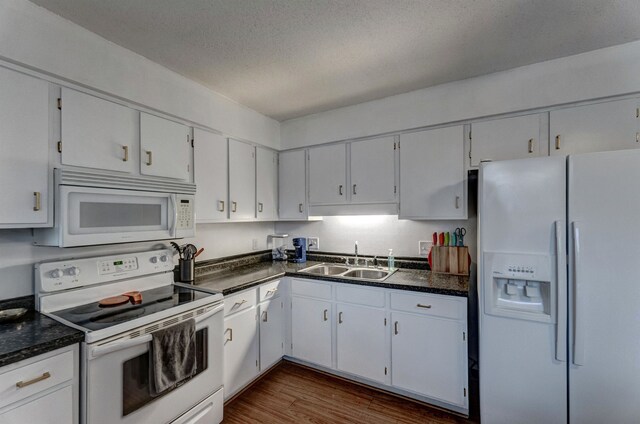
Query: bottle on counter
[(391, 260)]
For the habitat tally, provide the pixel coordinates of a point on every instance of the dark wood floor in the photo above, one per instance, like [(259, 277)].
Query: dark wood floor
[(294, 394)]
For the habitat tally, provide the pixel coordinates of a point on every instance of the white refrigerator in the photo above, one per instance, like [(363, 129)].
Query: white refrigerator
[(560, 289)]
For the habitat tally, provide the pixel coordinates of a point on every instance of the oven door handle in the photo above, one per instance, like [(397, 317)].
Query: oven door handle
[(207, 314), (119, 345)]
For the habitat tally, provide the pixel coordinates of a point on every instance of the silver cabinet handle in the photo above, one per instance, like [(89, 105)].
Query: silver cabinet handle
[(354, 189), (270, 292), (260, 206), (264, 316), (37, 206), (420, 305), (325, 316), (300, 207), (126, 153), (558, 142), (339, 317), (220, 205), (395, 327), (340, 189), (44, 376), (230, 339), (531, 145), (149, 157), (457, 202), (238, 304), (234, 206)]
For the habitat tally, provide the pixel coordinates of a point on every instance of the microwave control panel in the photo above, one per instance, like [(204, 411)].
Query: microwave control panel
[(185, 212)]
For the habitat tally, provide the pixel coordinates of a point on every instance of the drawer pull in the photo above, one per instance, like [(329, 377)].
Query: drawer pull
[(260, 207), (270, 292), (230, 339), (21, 384), (301, 207), (339, 317), (531, 145), (126, 153), (265, 317), (340, 190), (395, 328), (238, 304), (420, 305), (325, 316), (149, 158)]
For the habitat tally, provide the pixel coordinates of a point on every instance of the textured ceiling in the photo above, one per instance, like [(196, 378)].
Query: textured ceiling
[(288, 58)]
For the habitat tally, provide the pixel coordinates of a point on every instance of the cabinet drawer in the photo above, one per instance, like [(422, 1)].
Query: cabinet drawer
[(311, 289), (429, 305), (35, 378), (56, 407), (270, 290), (239, 302), (360, 296)]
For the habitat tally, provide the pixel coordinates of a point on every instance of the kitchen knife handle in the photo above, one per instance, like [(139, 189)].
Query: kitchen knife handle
[(435, 239), (578, 332)]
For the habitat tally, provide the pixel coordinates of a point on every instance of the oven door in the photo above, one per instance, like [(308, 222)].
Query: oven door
[(91, 216), (115, 385)]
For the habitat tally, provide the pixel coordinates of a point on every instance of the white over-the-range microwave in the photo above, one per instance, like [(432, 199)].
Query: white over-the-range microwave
[(98, 208)]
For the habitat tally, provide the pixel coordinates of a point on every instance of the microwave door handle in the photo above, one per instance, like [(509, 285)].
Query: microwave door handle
[(175, 215), (119, 345)]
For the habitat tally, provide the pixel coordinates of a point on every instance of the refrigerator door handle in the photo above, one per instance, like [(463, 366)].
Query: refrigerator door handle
[(561, 300), (578, 332)]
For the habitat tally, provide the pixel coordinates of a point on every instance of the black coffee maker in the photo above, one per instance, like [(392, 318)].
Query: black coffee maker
[(300, 245)]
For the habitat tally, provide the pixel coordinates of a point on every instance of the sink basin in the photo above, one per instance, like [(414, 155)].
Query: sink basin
[(325, 269), (367, 274)]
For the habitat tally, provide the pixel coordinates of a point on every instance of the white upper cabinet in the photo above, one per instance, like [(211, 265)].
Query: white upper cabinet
[(292, 186), (98, 134), (242, 180), (594, 128), (507, 138), (165, 148), (210, 175), (24, 142), (373, 177), (328, 175), (432, 176), (266, 184)]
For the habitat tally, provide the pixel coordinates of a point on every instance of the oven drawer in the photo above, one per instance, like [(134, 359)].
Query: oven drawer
[(240, 301), (270, 290), (209, 411), (436, 305), (28, 380)]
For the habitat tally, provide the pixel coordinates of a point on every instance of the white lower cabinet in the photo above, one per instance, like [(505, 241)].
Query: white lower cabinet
[(361, 341), (47, 409), (311, 330), (271, 332), (240, 350)]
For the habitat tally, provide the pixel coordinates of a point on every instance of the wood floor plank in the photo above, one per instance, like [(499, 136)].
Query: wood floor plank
[(291, 393)]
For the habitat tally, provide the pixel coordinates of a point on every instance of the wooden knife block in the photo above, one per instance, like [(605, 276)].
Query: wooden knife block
[(450, 260)]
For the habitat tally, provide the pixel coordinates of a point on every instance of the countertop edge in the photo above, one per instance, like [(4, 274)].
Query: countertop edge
[(40, 348)]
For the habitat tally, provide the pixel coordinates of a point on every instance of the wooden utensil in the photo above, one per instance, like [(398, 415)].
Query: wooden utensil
[(135, 297), (113, 301)]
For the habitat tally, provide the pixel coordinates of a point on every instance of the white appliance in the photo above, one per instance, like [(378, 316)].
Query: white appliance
[(98, 208), (559, 292), (115, 361)]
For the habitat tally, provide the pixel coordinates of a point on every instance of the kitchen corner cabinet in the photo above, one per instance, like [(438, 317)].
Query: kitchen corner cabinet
[(266, 184), (210, 175), (311, 322), (373, 178), (24, 141), (328, 175), (242, 180), (507, 138), (292, 185), (595, 128), (97, 133), (432, 176), (165, 148)]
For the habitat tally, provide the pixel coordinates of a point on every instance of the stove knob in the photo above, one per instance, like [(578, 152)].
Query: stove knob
[(74, 270), (154, 259), (163, 258), (56, 273)]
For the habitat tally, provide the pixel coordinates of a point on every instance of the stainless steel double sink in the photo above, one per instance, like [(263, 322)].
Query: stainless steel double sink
[(352, 272)]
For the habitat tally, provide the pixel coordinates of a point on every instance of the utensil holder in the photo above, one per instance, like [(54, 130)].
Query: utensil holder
[(187, 270), (450, 260)]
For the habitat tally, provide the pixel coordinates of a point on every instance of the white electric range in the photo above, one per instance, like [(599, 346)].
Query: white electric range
[(115, 360)]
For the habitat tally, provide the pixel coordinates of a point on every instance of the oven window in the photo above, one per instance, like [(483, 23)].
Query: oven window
[(104, 215), (136, 376)]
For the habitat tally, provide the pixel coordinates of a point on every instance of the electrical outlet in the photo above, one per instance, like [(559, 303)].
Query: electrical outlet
[(254, 244), (424, 247), (313, 243)]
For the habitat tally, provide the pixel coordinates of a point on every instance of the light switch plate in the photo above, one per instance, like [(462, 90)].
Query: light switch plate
[(313, 243), (424, 247)]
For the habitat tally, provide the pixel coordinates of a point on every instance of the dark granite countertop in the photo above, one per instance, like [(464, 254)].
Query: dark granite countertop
[(234, 279), (33, 334)]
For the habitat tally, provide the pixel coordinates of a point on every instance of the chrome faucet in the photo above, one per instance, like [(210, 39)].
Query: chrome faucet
[(355, 261)]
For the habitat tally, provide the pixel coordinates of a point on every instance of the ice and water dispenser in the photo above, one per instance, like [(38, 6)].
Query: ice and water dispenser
[(520, 286)]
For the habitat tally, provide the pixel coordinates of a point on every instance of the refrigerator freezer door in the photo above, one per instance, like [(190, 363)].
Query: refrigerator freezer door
[(521, 203), (604, 338)]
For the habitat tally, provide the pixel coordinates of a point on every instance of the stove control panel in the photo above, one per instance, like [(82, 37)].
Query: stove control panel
[(73, 273)]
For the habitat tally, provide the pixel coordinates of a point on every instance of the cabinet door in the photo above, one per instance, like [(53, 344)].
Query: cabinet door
[(53, 408), (311, 330), (271, 332), (266, 184), (328, 175), (97, 133), (432, 178), (373, 171), (508, 138), (429, 357), (165, 147), (240, 350), (361, 333), (210, 175), (292, 185), (24, 142), (594, 128), (242, 180)]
